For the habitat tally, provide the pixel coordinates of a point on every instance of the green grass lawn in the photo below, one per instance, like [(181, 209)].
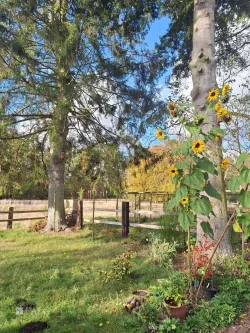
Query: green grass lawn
[(60, 274)]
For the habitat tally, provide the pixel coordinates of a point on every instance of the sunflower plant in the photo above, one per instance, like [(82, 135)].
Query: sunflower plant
[(193, 189)]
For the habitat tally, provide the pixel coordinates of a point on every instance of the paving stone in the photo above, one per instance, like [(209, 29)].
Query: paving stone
[(243, 330), (233, 329)]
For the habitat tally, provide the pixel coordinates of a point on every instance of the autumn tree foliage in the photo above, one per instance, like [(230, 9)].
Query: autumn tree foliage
[(150, 174)]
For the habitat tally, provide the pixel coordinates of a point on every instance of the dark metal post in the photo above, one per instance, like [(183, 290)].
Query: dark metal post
[(125, 219)]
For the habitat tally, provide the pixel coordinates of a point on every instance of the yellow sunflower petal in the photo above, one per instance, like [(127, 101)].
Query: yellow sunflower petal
[(173, 171), (213, 95), (224, 164), (159, 134), (225, 89), (184, 201), (198, 146)]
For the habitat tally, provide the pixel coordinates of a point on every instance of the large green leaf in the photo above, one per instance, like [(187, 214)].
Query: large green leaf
[(245, 174), (201, 205), (184, 148), (186, 219), (206, 227), (237, 227), (234, 183), (181, 193), (206, 165), (175, 151), (217, 130), (244, 218), (243, 156), (172, 203), (193, 129), (194, 180), (182, 165), (247, 231), (211, 191), (244, 198)]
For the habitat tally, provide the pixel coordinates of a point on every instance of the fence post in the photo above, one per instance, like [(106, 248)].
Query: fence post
[(79, 214), (125, 218), (10, 217)]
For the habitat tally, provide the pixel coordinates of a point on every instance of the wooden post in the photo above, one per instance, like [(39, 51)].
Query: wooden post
[(10, 217), (93, 215), (125, 219), (135, 208), (116, 207), (139, 206), (151, 200), (79, 222)]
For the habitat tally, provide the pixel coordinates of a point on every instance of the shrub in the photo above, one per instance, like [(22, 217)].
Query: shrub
[(236, 266), (161, 252), (120, 267), (38, 225)]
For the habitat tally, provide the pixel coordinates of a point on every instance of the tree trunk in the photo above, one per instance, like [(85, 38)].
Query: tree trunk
[(203, 70), (58, 135)]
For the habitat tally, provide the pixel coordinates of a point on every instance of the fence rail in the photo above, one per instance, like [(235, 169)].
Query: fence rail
[(11, 213), (80, 221)]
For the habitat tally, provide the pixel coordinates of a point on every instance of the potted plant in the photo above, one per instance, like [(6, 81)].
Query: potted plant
[(175, 289)]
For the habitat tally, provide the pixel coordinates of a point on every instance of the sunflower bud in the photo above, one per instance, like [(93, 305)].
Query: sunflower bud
[(198, 120), (173, 114), (227, 118), (225, 99)]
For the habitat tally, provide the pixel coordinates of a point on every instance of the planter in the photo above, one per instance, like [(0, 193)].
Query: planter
[(178, 312), (139, 292), (210, 292)]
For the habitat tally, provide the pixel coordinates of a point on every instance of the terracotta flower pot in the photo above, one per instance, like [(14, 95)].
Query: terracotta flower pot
[(178, 312)]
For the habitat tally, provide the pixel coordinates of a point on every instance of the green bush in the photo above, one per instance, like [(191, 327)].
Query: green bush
[(236, 266), (120, 267), (161, 252), (221, 311)]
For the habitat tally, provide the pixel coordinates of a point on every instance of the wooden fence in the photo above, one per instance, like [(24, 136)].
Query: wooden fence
[(80, 221), (11, 218)]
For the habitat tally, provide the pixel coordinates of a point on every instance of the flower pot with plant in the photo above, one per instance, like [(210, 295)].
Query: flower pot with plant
[(175, 289)]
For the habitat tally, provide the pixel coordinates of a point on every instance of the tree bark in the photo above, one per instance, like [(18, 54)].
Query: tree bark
[(58, 136), (203, 69)]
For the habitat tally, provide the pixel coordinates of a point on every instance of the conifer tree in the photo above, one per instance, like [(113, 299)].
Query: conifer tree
[(71, 64)]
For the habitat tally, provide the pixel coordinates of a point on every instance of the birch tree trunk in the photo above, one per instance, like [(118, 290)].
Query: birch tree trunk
[(203, 69)]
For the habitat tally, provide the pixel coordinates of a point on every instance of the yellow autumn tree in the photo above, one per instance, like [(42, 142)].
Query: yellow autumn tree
[(151, 174)]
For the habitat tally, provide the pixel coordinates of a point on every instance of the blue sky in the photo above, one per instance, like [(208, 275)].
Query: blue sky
[(157, 29)]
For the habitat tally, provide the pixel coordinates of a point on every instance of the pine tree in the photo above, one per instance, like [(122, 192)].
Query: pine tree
[(74, 63)]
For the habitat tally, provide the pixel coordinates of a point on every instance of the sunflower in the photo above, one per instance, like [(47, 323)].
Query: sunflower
[(213, 95), (198, 146), (159, 134), (171, 106), (184, 201), (224, 164), (225, 89), (218, 105), (172, 109), (218, 137), (221, 112), (173, 171)]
